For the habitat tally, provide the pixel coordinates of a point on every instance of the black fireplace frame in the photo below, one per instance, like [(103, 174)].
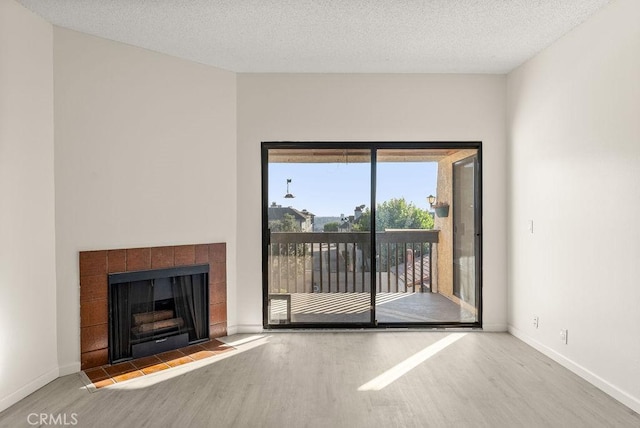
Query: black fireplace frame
[(154, 347)]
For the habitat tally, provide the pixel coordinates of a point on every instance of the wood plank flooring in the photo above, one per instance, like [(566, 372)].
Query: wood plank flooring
[(312, 379)]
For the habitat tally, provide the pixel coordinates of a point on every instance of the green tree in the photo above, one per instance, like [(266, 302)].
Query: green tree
[(331, 227), (396, 214)]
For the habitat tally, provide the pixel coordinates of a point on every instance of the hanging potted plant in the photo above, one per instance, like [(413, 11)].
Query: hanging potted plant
[(442, 209)]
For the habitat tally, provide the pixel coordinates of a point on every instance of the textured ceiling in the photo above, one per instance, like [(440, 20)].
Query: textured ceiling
[(321, 36)]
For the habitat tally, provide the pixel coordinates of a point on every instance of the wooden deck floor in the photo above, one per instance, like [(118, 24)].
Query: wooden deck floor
[(390, 308)]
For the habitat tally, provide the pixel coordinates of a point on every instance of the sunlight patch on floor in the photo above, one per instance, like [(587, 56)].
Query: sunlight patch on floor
[(241, 341), (399, 370)]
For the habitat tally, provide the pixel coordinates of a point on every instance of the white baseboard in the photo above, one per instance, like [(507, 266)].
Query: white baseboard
[(247, 328), (69, 369), (494, 328), (600, 383), (29, 388)]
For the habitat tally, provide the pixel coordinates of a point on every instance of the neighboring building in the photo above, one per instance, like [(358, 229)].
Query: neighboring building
[(304, 219), (346, 222)]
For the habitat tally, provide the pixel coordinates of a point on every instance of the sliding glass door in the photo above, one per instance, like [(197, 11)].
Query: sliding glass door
[(464, 229), (364, 234), (406, 237), (318, 258)]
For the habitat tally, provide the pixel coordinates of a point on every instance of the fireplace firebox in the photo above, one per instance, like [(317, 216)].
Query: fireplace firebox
[(154, 311)]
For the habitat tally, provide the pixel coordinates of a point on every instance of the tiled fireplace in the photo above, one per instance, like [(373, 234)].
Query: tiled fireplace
[(95, 266)]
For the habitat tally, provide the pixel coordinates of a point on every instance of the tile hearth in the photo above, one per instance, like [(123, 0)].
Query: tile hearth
[(104, 376)]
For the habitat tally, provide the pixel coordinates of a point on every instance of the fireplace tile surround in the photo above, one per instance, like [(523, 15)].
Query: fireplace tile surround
[(96, 265)]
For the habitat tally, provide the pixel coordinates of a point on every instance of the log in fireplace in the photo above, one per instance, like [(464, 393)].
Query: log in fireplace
[(154, 311)]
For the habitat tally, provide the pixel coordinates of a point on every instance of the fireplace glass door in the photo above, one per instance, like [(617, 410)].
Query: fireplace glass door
[(157, 310)]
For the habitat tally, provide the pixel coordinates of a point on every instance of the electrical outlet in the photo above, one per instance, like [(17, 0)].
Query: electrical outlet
[(564, 336), (535, 321)]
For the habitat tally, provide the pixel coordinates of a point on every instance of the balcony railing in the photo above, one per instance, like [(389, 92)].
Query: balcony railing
[(341, 262)]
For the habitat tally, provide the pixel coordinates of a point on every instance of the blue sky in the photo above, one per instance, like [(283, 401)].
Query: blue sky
[(331, 189)]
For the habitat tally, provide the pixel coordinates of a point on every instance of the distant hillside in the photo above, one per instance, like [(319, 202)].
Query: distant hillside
[(319, 222)]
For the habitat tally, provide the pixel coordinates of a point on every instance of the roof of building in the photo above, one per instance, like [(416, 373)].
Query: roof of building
[(277, 212)]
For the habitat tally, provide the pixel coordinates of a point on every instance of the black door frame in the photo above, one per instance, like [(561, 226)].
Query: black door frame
[(373, 147)]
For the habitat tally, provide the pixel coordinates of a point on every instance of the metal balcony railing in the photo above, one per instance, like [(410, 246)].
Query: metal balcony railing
[(341, 262)]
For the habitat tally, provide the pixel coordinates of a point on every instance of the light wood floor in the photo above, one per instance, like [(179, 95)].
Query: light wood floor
[(312, 379)]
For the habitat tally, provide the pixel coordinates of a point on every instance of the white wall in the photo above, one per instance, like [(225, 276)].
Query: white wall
[(276, 107), (144, 156), (28, 357), (574, 130)]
